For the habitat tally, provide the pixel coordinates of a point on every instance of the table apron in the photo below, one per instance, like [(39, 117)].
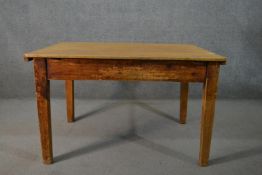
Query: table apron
[(104, 69)]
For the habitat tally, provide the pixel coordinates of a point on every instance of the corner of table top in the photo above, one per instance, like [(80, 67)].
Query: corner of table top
[(223, 60), (27, 58)]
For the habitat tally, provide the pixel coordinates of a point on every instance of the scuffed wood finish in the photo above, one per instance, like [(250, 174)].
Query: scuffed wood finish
[(125, 61), (43, 105), (69, 84), (137, 51), (208, 110), (79, 69), (183, 102)]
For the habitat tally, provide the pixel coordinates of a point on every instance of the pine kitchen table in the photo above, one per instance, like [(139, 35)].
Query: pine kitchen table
[(71, 61)]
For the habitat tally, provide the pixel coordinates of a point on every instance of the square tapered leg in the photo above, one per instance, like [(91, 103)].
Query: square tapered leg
[(208, 110), (43, 106)]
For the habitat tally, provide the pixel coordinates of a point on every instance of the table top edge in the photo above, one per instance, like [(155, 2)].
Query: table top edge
[(28, 56)]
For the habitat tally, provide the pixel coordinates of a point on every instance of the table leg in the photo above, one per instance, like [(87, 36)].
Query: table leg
[(43, 105), (70, 100), (183, 102), (208, 109)]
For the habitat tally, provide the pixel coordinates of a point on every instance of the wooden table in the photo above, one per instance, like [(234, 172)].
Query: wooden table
[(71, 61)]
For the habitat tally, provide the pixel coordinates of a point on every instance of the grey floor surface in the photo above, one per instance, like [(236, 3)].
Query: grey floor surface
[(131, 137)]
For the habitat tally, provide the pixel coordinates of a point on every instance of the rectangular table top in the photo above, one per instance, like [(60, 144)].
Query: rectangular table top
[(137, 51)]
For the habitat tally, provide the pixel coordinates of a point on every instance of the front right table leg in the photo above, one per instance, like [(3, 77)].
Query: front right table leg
[(208, 109)]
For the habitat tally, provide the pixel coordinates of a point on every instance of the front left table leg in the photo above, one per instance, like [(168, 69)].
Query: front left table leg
[(43, 104)]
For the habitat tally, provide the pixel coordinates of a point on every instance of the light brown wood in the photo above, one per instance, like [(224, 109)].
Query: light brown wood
[(70, 106), (208, 110), (183, 102), (89, 69), (125, 61), (140, 51), (43, 105)]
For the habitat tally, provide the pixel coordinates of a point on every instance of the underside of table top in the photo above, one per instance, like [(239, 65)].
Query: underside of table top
[(136, 51)]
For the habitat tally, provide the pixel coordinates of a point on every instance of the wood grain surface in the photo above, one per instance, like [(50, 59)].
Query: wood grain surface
[(90, 69), (140, 51), (208, 111), (43, 106), (125, 61)]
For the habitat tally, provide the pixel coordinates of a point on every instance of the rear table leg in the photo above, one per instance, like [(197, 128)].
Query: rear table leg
[(183, 102), (69, 84)]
